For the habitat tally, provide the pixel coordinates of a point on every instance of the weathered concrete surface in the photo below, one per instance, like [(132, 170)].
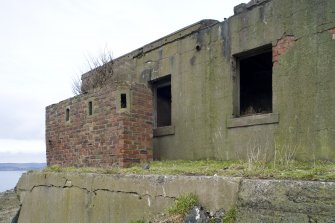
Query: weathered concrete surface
[(9, 206), (286, 201), (202, 84), (74, 197)]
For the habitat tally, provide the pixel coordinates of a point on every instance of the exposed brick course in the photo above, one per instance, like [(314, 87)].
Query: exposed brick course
[(281, 47), (107, 137)]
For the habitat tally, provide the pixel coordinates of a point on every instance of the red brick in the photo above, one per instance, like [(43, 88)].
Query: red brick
[(106, 138)]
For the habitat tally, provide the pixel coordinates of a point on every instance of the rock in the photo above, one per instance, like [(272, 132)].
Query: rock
[(218, 215), (146, 166), (197, 215), (9, 206)]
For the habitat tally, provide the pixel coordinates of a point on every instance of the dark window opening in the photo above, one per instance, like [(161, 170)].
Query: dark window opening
[(67, 114), (162, 97), (123, 101), (90, 108), (256, 84)]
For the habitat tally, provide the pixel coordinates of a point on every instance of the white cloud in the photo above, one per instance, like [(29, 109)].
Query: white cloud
[(22, 146), (20, 157), (22, 151)]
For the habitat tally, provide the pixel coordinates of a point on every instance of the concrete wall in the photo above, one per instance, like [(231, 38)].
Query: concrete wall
[(202, 62), (111, 135), (302, 121), (75, 197), (303, 95)]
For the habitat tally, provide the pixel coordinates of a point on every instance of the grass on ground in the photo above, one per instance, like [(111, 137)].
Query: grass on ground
[(318, 170)]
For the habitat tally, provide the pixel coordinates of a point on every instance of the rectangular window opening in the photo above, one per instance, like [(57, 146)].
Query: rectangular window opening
[(162, 97), (255, 83), (67, 114), (90, 108), (123, 100)]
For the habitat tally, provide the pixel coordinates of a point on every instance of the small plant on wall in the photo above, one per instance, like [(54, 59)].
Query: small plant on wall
[(100, 70)]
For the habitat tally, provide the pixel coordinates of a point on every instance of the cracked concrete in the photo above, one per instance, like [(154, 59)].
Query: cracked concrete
[(79, 197), (286, 201), (68, 197)]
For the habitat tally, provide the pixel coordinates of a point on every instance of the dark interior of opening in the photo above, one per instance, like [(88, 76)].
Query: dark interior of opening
[(67, 114), (90, 108), (163, 105), (256, 84), (123, 101)]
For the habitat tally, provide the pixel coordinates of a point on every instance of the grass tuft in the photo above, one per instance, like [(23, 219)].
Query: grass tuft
[(137, 221), (183, 204), (230, 216)]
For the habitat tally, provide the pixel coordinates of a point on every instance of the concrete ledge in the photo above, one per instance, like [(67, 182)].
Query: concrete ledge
[(87, 197), (76, 197), (164, 131), (286, 201), (262, 119)]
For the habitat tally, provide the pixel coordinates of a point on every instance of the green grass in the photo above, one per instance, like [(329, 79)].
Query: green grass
[(230, 216), (318, 170), (183, 204), (137, 221)]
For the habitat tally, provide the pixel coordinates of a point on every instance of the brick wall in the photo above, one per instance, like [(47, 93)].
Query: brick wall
[(110, 136)]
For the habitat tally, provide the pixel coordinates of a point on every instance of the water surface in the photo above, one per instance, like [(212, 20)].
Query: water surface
[(9, 179)]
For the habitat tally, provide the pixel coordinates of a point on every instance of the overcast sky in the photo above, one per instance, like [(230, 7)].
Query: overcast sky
[(44, 45)]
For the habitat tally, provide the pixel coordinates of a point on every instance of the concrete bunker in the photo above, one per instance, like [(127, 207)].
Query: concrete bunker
[(264, 75)]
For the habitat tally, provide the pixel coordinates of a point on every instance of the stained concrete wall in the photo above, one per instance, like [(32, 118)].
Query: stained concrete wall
[(201, 60), (75, 197), (203, 85), (303, 95)]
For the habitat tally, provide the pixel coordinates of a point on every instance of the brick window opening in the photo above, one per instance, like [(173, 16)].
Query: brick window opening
[(255, 82), (90, 108), (162, 101), (123, 100), (67, 114)]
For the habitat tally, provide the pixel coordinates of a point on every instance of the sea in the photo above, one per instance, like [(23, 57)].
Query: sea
[(9, 179)]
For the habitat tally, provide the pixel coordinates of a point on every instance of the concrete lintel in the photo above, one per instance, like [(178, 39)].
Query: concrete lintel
[(261, 119)]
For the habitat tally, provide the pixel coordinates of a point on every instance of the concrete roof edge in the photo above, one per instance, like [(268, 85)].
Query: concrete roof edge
[(181, 33), (238, 9)]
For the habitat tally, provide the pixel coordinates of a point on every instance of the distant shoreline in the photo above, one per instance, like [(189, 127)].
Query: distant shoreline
[(21, 166)]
